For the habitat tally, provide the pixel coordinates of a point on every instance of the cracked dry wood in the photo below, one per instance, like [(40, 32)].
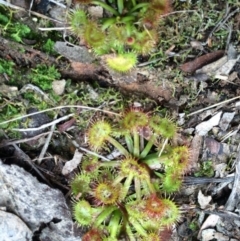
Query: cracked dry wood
[(148, 87), (153, 87)]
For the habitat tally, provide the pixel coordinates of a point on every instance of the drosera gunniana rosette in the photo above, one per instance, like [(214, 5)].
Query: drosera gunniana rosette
[(126, 30), (130, 196)]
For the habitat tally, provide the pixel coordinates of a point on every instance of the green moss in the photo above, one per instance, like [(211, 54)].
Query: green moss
[(44, 75), (48, 47), (6, 67), (206, 170)]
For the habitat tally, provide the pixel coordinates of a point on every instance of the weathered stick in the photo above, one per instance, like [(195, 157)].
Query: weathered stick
[(199, 62), (234, 197)]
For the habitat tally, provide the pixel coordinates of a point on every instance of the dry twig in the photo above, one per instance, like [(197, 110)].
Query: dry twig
[(234, 197)]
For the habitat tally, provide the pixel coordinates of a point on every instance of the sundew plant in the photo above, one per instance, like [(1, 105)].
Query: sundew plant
[(129, 196), (128, 28)]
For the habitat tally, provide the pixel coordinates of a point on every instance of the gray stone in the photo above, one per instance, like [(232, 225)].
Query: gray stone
[(36, 204), (13, 228), (74, 53), (209, 234)]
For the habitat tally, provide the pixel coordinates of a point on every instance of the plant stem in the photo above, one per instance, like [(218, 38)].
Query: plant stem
[(136, 144), (126, 186), (114, 223), (104, 214), (140, 5), (139, 228), (150, 157), (129, 142), (106, 7), (137, 185), (148, 146), (9, 21), (110, 164), (106, 23), (134, 3), (129, 233), (120, 6), (118, 145), (150, 186), (127, 19)]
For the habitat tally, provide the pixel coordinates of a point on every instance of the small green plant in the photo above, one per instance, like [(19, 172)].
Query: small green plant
[(43, 76), (128, 29), (9, 109), (194, 226), (48, 47), (16, 30), (206, 170), (19, 31), (6, 67), (127, 196)]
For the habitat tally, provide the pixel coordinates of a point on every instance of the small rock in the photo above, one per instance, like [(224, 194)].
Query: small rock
[(181, 119), (203, 128), (95, 11), (225, 120), (58, 86), (213, 146), (36, 204), (74, 53), (210, 234), (203, 200), (13, 228), (72, 164), (220, 170)]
